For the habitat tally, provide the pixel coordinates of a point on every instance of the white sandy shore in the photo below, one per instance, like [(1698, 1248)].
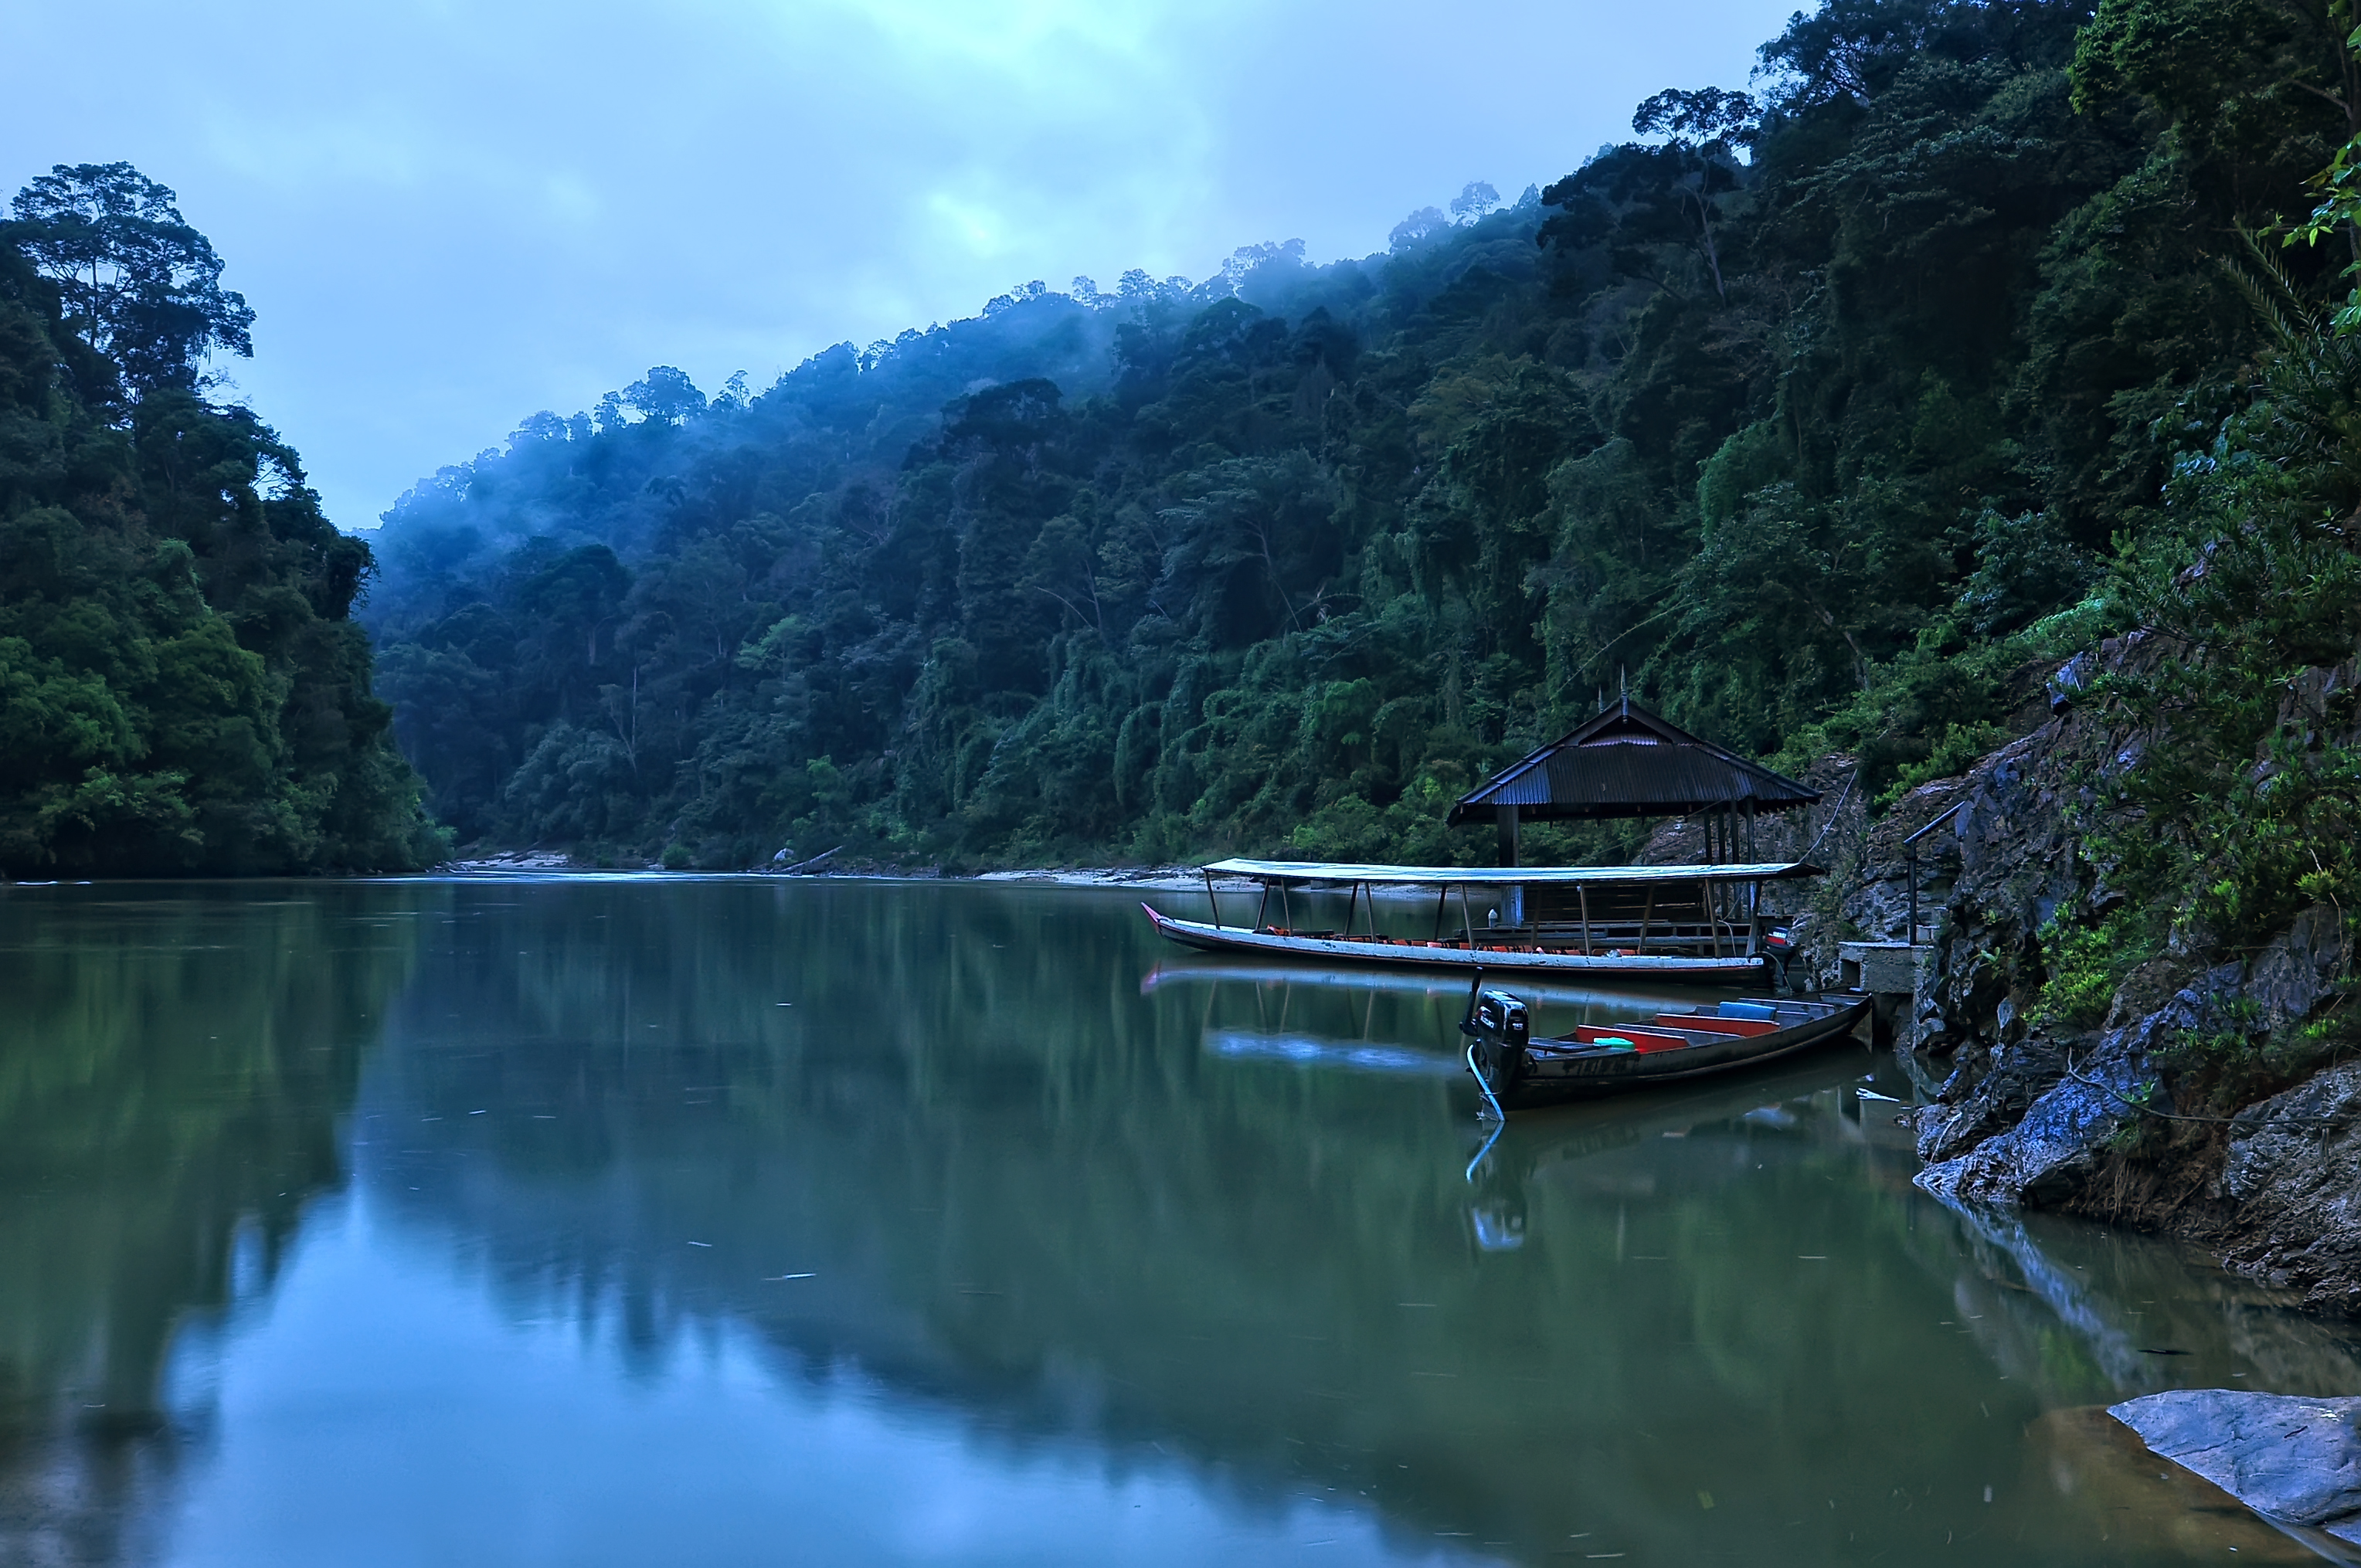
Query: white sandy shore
[(1181, 879), (1138, 879), (1148, 879), (537, 860)]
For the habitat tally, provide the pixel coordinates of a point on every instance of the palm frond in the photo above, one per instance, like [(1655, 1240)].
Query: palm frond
[(2271, 294)]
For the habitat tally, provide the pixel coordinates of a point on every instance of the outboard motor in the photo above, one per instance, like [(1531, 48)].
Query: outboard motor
[(1779, 946), (1501, 1029)]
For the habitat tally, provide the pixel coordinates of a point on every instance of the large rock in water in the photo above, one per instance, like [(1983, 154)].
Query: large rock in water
[(2294, 1461)]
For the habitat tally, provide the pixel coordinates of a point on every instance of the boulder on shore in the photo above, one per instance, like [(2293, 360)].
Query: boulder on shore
[(2295, 1461)]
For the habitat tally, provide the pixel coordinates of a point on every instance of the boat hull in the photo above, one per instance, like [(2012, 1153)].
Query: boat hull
[(1520, 1076), (1732, 971)]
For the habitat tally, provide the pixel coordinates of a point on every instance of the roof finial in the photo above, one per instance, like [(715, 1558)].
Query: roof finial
[(1623, 681)]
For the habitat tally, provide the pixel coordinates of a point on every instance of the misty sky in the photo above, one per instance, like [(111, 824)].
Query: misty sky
[(449, 215)]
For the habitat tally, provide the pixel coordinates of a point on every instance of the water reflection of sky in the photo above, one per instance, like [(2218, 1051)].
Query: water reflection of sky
[(382, 1408), (458, 1217)]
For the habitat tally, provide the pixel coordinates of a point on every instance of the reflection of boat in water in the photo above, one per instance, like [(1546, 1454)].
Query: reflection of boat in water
[(1621, 1000), (1519, 1152), (1525, 1147), (1519, 1071), (1310, 1050)]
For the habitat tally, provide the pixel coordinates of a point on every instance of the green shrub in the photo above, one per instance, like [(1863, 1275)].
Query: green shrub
[(2083, 965)]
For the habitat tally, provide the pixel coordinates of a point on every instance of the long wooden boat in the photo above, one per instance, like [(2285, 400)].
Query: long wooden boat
[(1695, 924), (1519, 1072)]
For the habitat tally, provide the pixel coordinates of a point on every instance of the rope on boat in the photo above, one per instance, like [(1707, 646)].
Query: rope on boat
[(1490, 1098), (1491, 1101), (1469, 1174)]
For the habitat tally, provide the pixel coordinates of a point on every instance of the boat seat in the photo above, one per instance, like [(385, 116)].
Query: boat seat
[(1707, 1024), (1644, 1038)]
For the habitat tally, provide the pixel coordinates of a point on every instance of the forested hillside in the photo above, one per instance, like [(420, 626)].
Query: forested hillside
[(181, 686), (1818, 414)]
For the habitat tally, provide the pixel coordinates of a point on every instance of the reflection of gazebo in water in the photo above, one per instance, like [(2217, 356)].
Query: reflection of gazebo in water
[(1625, 762)]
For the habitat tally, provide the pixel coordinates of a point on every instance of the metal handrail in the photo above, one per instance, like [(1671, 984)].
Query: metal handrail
[(1910, 859), (1939, 819)]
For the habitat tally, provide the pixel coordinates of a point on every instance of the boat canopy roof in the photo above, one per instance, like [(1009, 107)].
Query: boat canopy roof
[(1506, 876)]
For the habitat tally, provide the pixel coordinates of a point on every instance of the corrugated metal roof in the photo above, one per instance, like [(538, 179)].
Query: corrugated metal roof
[(1628, 762), (1486, 876)]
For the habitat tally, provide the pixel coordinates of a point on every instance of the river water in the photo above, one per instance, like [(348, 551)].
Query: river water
[(670, 1220)]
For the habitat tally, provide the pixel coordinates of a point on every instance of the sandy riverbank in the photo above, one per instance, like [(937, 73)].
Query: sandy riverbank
[(1146, 879)]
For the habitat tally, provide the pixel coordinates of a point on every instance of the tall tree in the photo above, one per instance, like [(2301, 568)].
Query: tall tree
[(1637, 200), (140, 285), (182, 685)]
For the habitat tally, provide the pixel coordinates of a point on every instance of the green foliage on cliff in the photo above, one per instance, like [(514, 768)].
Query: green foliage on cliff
[(2246, 792), (181, 686), (1809, 410), (2234, 802)]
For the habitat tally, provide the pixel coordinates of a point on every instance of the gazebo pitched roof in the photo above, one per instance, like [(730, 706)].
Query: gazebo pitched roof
[(1628, 762)]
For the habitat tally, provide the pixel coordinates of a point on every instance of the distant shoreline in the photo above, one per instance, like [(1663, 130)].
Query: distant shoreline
[(1147, 879), (1137, 879)]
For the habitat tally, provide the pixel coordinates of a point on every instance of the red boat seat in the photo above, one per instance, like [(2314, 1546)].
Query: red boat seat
[(1705, 1023), (1644, 1039)]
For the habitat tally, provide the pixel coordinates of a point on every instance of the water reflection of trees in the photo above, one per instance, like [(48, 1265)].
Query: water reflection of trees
[(1029, 1191), (1049, 1201), (173, 1066), (1036, 1195)]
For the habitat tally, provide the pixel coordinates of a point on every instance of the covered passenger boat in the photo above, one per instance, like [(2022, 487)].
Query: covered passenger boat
[(1517, 1071), (1695, 923), (1691, 923)]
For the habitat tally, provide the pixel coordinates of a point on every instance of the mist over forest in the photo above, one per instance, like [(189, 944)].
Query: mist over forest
[(1813, 412), (1960, 413), (1815, 415)]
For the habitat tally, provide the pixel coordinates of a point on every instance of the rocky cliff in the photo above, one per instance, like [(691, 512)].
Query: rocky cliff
[(2133, 1116)]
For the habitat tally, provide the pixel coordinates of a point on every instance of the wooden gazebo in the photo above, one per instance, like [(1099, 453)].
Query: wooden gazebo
[(1627, 762)]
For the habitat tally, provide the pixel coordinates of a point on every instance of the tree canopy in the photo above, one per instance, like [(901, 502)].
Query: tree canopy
[(138, 285), (181, 685), (1815, 412)]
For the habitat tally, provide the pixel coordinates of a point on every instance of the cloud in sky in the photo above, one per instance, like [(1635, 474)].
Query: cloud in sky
[(448, 215)]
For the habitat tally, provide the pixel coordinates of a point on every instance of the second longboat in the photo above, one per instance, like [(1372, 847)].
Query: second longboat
[(1697, 923)]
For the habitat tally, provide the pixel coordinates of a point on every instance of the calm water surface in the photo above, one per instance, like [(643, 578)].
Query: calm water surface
[(641, 1220)]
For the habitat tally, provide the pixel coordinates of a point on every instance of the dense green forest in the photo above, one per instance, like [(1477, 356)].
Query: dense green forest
[(181, 685), (1817, 412)]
